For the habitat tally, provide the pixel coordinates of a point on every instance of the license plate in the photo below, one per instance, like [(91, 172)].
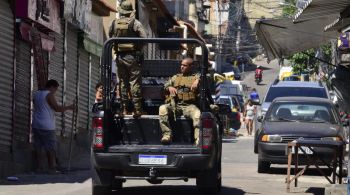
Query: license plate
[(152, 159), (306, 149)]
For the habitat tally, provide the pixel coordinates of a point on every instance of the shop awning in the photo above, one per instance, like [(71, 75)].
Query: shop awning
[(319, 8), (281, 37), (338, 24)]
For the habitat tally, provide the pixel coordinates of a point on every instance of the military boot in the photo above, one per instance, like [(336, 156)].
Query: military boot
[(138, 110), (166, 139), (124, 110)]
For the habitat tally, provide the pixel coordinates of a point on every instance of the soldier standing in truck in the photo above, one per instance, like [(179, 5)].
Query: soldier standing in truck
[(129, 57), (183, 94)]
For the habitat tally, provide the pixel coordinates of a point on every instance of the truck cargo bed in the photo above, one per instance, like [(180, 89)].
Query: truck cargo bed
[(146, 131)]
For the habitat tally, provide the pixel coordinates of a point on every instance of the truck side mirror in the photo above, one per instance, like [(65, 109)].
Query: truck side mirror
[(260, 118)]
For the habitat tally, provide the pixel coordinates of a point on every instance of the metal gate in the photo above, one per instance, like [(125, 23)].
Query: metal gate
[(83, 89), (56, 72), (6, 75), (71, 73), (22, 93)]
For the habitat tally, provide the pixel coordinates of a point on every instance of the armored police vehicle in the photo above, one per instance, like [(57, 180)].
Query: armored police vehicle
[(127, 148)]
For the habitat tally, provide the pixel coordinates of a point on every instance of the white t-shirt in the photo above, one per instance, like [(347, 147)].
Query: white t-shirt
[(250, 111), (43, 115)]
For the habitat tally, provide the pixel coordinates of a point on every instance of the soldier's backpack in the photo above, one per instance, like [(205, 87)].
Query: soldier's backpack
[(124, 28)]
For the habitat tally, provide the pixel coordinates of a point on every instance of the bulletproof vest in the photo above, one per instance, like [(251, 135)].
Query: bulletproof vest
[(183, 85), (124, 27)]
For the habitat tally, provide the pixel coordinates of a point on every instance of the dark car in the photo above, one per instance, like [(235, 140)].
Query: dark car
[(291, 118), (233, 119)]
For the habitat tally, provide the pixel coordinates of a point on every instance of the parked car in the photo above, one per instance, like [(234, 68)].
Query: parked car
[(241, 100), (291, 118), (292, 88), (234, 118)]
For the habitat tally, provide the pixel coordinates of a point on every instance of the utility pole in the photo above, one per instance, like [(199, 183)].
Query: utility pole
[(218, 40)]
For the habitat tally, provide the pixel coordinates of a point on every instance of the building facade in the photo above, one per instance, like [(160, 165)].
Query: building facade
[(40, 40)]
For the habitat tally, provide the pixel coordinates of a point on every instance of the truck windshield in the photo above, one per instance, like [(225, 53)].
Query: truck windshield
[(275, 92)]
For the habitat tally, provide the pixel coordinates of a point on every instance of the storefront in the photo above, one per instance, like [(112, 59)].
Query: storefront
[(6, 80)]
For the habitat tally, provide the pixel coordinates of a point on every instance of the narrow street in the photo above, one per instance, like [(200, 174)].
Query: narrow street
[(239, 171)]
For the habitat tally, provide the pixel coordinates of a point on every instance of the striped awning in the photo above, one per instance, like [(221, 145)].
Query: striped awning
[(338, 24), (320, 8)]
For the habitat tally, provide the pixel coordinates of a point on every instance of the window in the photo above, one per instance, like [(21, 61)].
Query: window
[(301, 111), (275, 92)]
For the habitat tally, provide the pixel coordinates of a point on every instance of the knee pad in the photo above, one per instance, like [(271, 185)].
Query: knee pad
[(163, 110)]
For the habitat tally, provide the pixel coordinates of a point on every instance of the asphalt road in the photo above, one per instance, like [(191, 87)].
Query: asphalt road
[(239, 164)]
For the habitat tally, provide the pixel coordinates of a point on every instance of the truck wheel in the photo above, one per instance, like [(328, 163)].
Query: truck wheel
[(101, 181), (209, 182), (101, 190), (117, 184), (263, 166)]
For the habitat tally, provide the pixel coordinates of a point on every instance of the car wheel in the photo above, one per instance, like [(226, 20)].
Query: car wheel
[(256, 148), (263, 166)]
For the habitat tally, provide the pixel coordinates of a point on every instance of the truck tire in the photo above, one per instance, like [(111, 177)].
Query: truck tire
[(101, 182), (100, 190), (210, 182), (263, 166)]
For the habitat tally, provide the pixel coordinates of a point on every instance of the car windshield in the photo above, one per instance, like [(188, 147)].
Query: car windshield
[(301, 111), (240, 98), (291, 78), (275, 92)]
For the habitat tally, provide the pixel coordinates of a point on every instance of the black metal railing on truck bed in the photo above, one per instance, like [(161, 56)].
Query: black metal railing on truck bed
[(106, 73)]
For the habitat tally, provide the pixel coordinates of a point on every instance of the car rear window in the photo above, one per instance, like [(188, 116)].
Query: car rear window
[(224, 101), (275, 92)]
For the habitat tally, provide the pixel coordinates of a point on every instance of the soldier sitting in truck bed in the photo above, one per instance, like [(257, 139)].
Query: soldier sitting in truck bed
[(183, 94)]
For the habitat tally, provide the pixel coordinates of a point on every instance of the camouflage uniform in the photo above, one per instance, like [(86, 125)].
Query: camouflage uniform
[(185, 105), (129, 57)]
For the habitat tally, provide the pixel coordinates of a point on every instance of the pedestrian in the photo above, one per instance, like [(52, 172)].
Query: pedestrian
[(254, 96), (249, 114), (99, 92), (183, 98), (43, 124), (129, 57)]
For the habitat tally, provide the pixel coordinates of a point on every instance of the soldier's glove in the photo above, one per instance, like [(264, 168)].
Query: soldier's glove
[(214, 108)]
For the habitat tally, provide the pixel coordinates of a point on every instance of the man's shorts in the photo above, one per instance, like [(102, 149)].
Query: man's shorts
[(45, 139)]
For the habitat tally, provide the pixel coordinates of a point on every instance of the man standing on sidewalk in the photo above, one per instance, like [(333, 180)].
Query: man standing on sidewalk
[(43, 124)]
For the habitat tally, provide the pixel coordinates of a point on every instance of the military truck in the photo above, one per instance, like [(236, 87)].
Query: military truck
[(125, 148)]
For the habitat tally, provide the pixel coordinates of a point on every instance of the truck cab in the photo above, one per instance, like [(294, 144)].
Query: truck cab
[(125, 148)]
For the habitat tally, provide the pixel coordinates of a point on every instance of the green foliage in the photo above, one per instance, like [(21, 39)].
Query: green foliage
[(305, 60), (289, 9)]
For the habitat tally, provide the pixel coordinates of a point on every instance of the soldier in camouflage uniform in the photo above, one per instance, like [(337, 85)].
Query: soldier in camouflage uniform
[(183, 90), (129, 57)]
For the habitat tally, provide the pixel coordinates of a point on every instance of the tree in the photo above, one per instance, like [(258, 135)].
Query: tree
[(305, 60)]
